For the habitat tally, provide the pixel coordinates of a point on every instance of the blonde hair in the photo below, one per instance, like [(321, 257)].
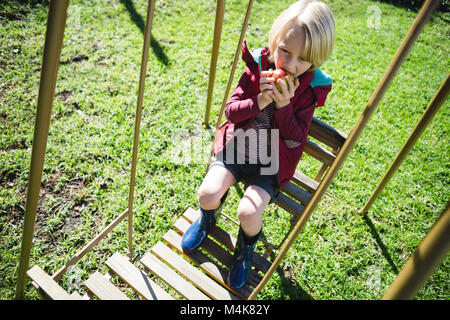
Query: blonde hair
[(317, 20)]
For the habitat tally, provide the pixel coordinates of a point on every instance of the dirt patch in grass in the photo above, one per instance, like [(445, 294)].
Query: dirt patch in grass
[(4, 87), (60, 207)]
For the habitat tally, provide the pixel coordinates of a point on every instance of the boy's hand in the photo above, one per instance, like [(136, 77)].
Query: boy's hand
[(283, 98), (266, 86)]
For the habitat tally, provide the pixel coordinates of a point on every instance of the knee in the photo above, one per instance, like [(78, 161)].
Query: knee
[(247, 212), (208, 199)]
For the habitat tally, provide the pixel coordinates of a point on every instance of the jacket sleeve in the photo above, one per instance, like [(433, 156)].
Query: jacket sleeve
[(239, 107), (294, 126)]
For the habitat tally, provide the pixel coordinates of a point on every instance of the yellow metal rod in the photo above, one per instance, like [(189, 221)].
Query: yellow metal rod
[(88, 247), (137, 125), (230, 78), (52, 50), (439, 98), (420, 266), (236, 59), (417, 26), (220, 10)]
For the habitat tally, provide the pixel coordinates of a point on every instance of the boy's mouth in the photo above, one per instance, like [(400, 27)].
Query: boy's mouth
[(287, 71)]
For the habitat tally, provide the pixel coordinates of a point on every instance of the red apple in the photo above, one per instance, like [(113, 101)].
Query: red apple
[(281, 74)]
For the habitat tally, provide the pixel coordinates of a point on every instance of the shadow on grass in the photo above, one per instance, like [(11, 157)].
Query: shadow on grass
[(290, 289), (140, 23), (380, 243), (31, 3), (415, 5)]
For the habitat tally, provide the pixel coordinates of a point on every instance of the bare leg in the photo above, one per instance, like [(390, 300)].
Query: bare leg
[(216, 182), (250, 209)]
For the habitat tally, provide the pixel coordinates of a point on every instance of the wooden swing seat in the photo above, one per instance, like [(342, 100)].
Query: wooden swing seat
[(200, 275)]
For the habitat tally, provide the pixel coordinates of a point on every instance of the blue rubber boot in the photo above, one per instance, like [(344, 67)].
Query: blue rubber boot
[(243, 255), (199, 230)]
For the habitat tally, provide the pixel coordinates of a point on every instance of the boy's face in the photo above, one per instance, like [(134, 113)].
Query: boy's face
[(288, 53)]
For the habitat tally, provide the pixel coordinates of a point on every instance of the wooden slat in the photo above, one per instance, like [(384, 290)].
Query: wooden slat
[(75, 296), (319, 153), (172, 278), (47, 284), (136, 278), (201, 280), (217, 251), (327, 134), (289, 204), (297, 193), (227, 240), (212, 268), (86, 296), (304, 181), (103, 289)]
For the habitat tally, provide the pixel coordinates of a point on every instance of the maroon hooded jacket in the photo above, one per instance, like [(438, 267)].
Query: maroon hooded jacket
[(292, 121)]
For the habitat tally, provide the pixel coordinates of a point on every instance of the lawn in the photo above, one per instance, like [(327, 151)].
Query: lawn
[(339, 254)]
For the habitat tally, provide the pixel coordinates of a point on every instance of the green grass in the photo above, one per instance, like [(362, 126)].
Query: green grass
[(339, 255)]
